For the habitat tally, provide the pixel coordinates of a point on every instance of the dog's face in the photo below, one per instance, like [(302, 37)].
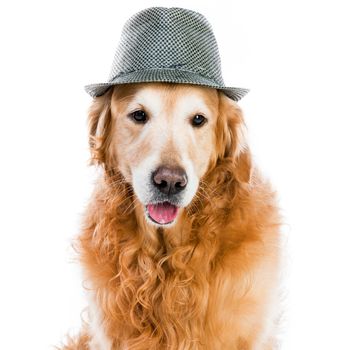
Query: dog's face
[(163, 138)]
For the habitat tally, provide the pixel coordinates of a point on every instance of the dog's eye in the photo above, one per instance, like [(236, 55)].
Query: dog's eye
[(198, 120), (139, 116)]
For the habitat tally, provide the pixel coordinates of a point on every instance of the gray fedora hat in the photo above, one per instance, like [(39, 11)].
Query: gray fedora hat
[(161, 44)]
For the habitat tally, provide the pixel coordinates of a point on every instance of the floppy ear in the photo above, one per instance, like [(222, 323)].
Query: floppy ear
[(231, 137), (100, 128)]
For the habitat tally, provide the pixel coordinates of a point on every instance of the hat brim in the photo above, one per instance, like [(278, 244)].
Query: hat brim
[(165, 75)]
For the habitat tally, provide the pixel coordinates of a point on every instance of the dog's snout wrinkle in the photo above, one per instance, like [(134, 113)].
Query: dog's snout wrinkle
[(170, 180)]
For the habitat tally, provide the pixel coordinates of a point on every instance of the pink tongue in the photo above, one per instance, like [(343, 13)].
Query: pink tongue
[(162, 213)]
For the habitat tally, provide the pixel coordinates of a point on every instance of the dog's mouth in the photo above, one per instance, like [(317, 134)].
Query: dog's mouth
[(162, 213)]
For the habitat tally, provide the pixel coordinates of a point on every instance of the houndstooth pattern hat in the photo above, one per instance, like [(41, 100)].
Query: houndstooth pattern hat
[(172, 45)]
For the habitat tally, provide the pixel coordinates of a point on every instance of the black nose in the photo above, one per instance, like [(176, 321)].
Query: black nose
[(170, 180)]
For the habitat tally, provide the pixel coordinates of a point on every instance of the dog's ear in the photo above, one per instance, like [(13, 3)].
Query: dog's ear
[(231, 137), (100, 127)]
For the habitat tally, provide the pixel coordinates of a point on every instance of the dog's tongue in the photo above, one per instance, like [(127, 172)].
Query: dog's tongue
[(162, 213)]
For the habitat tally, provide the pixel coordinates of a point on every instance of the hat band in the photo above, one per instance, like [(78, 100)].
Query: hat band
[(174, 67)]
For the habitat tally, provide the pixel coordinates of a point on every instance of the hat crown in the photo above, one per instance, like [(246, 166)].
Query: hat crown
[(168, 38)]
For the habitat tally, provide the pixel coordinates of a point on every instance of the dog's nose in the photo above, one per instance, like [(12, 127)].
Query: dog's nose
[(170, 180)]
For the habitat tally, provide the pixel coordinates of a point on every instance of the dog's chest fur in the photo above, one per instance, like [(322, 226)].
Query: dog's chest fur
[(160, 298)]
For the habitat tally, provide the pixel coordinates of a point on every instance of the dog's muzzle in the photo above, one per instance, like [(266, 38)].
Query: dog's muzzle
[(168, 183)]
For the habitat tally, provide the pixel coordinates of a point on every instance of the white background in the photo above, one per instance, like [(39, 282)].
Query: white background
[(301, 61)]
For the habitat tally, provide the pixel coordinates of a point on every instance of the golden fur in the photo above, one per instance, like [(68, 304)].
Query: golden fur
[(208, 282)]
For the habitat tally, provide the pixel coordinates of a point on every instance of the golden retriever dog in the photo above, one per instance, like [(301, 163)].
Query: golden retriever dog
[(180, 244)]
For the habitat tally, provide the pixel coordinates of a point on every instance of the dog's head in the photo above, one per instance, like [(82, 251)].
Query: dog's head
[(163, 139)]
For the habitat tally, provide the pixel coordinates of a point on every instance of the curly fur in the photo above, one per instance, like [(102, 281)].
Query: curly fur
[(209, 283)]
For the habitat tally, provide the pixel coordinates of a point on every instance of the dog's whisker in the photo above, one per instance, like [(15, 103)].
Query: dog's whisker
[(130, 207), (131, 198)]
